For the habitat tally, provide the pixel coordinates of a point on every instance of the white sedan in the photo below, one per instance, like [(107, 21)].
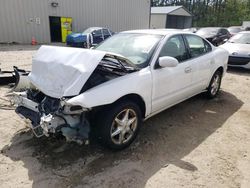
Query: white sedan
[(239, 50), (110, 90)]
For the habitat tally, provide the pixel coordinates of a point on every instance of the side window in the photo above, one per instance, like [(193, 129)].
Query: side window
[(224, 32), (106, 32), (175, 47), (196, 45), (97, 33), (207, 46), (220, 32)]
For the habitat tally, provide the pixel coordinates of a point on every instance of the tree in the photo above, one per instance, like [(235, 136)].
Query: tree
[(212, 12)]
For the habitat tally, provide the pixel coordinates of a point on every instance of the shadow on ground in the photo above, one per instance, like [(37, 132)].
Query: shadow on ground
[(238, 71), (164, 139)]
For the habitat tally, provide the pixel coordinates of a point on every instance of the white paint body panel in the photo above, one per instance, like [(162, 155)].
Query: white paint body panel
[(135, 83)]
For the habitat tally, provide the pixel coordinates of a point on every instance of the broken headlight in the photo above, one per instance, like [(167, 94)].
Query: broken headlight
[(75, 109)]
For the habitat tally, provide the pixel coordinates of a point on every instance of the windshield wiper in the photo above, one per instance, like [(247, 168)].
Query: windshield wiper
[(114, 63)]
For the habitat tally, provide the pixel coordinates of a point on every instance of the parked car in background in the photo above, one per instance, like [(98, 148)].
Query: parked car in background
[(215, 35), (246, 25), (239, 50), (111, 89), (90, 37), (233, 30)]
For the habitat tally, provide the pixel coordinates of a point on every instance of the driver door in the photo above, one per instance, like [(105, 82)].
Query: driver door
[(172, 84)]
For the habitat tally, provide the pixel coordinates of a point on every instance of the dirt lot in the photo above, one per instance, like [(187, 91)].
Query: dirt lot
[(198, 143)]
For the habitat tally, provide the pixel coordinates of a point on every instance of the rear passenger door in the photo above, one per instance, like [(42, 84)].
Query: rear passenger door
[(202, 58)]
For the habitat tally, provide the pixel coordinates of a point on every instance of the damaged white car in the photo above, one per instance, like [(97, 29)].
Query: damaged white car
[(128, 78)]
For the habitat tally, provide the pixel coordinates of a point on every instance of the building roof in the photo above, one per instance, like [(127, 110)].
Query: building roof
[(172, 10)]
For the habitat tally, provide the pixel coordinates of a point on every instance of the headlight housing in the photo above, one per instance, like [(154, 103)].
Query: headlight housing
[(73, 109)]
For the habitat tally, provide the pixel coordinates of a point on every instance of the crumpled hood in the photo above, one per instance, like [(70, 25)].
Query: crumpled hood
[(240, 49), (62, 71)]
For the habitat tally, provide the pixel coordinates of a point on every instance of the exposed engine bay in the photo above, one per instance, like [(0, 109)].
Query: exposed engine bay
[(53, 116), (108, 69)]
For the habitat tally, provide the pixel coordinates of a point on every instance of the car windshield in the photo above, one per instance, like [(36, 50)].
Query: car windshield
[(242, 38), (234, 30), (206, 31), (136, 47)]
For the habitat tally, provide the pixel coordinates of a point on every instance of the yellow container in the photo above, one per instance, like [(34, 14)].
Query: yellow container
[(66, 25)]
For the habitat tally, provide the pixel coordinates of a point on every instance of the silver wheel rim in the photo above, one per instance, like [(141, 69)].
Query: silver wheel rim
[(124, 126), (215, 84)]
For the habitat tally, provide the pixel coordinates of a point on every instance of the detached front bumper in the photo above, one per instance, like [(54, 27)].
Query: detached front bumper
[(74, 126)]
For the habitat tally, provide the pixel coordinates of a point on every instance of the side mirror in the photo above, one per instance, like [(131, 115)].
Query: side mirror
[(225, 40), (168, 61)]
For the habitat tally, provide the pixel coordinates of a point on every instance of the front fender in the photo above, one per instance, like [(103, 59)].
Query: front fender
[(139, 83)]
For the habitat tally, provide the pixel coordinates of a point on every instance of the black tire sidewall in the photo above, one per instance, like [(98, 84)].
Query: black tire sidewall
[(209, 93)]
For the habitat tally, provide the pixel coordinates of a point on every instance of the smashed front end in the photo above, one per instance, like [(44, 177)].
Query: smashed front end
[(51, 116), (58, 75)]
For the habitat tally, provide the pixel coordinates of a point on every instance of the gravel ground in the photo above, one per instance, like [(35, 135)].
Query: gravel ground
[(198, 143)]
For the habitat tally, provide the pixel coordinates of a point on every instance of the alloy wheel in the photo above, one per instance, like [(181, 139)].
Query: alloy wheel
[(124, 126)]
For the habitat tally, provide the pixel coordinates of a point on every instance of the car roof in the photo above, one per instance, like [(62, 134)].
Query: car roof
[(158, 31), (244, 32), (96, 28)]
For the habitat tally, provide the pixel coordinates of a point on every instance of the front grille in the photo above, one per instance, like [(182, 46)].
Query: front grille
[(238, 60)]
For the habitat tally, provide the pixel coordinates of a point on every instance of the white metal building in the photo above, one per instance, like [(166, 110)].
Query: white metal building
[(170, 17), (20, 20)]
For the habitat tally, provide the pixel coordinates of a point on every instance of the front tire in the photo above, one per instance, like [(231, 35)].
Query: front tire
[(214, 86), (119, 124)]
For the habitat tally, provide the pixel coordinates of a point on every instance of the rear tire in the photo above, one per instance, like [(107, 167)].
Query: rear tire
[(214, 86), (119, 124)]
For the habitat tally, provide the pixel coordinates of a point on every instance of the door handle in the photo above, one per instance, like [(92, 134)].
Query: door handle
[(188, 69)]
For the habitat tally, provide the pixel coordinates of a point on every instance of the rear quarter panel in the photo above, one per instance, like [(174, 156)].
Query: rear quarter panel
[(220, 60)]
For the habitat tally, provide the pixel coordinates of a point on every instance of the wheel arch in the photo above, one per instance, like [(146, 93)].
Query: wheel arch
[(136, 99), (220, 69)]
